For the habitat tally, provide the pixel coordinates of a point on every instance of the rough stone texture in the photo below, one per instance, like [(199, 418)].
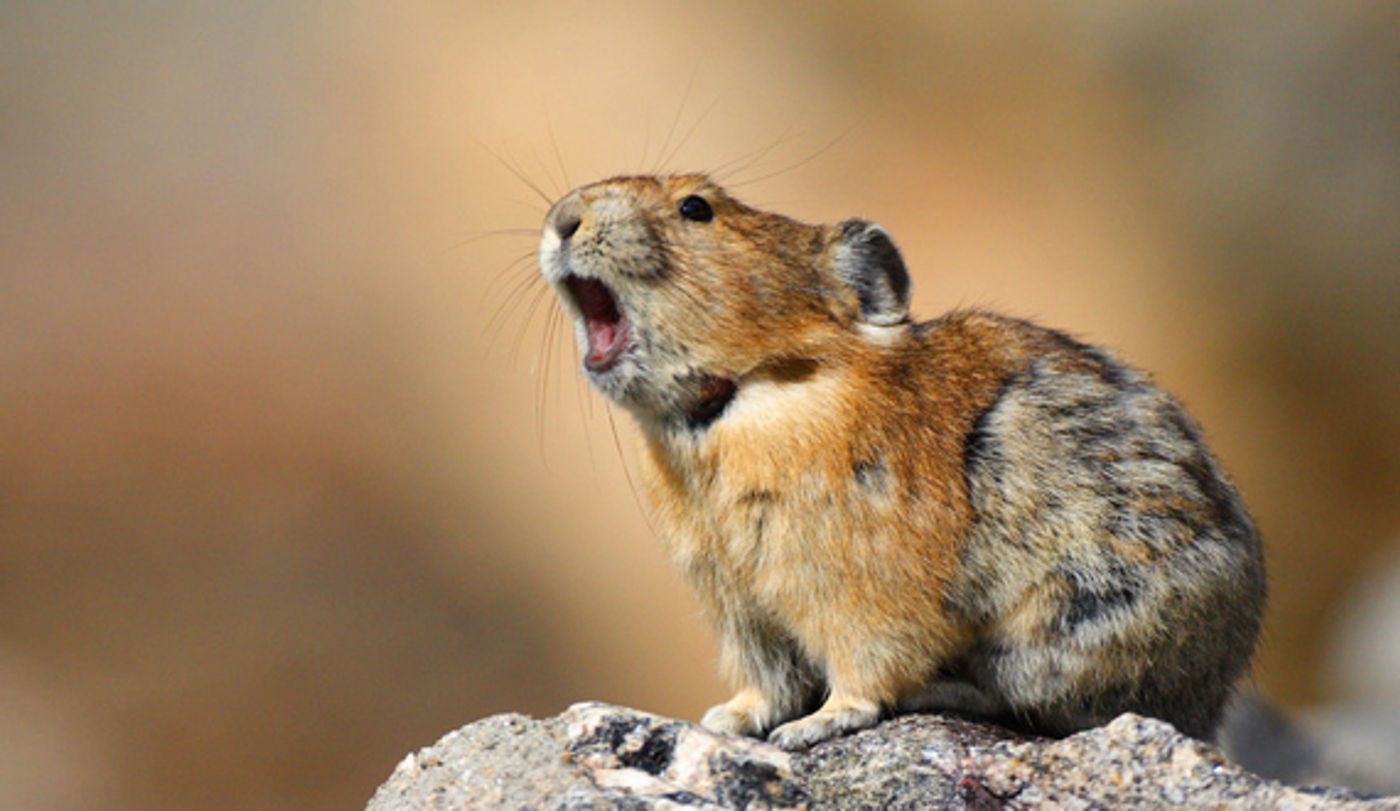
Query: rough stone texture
[(600, 756)]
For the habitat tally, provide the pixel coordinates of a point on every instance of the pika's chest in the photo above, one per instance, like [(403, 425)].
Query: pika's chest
[(788, 490), (770, 469), (751, 532)]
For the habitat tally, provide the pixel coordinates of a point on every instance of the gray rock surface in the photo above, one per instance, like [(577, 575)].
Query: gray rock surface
[(596, 756)]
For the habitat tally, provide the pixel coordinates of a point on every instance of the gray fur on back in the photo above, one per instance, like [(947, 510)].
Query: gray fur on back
[(1111, 566)]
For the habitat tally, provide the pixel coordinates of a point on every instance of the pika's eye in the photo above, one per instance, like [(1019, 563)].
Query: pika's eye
[(695, 208)]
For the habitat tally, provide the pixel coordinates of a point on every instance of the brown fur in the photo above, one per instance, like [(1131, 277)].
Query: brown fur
[(973, 514)]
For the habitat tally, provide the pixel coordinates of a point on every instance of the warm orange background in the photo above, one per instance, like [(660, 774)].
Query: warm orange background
[(277, 507)]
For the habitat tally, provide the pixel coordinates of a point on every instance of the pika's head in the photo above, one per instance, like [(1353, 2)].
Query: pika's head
[(680, 293)]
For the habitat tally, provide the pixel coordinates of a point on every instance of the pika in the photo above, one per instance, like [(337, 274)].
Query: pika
[(971, 514)]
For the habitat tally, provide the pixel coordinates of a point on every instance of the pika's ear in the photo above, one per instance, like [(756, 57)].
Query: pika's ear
[(868, 262)]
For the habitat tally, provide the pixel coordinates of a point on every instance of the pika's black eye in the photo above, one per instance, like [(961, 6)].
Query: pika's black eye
[(695, 208)]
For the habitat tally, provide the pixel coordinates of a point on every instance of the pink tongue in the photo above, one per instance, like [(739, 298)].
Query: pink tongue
[(602, 337), (603, 325)]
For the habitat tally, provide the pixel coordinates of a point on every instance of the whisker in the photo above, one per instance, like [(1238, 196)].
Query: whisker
[(680, 108), (495, 326), (532, 206), (646, 145), (548, 173), (685, 138), (519, 267), (525, 325), (790, 167), (499, 232), (557, 357), (563, 334), (558, 156), (517, 171), (622, 458), (516, 297), (511, 295), (580, 396), (749, 159), (539, 412), (542, 382), (552, 362)]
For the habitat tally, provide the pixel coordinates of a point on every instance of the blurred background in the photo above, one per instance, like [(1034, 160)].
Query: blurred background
[(280, 501)]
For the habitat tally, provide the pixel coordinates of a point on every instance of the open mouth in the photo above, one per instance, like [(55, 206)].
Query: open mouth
[(603, 323)]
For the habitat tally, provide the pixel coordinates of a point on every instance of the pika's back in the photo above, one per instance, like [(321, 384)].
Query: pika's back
[(1100, 523)]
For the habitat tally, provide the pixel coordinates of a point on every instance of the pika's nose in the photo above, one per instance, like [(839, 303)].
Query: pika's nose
[(566, 215)]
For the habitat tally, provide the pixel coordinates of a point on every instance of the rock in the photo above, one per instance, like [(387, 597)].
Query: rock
[(597, 756)]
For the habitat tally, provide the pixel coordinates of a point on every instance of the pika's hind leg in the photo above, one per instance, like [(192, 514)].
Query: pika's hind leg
[(774, 680), (949, 695)]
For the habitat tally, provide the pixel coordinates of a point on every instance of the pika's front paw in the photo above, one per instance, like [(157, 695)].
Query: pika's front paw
[(822, 725), (744, 714), (725, 721)]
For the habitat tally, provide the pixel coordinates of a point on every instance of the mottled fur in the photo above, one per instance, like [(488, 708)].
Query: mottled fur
[(972, 514)]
